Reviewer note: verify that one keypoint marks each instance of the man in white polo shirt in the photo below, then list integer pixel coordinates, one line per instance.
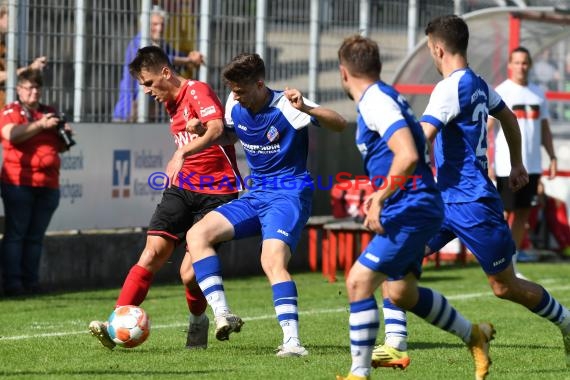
(528, 103)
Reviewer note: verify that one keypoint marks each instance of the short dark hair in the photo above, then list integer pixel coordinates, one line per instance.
(31, 75)
(452, 31)
(361, 56)
(151, 58)
(521, 49)
(244, 68)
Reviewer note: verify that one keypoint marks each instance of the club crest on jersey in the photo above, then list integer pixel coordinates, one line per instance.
(272, 134)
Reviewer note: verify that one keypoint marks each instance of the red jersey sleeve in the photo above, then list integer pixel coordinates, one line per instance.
(204, 101)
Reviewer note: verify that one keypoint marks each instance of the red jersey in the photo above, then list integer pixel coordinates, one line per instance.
(35, 161)
(213, 170)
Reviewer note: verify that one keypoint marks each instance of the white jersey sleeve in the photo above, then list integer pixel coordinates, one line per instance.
(443, 103)
(296, 118)
(230, 103)
(495, 100)
(379, 111)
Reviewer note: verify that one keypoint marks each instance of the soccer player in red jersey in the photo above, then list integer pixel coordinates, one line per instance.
(208, 179)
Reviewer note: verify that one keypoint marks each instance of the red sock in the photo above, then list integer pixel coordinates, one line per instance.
(197, 303)
(136, 286)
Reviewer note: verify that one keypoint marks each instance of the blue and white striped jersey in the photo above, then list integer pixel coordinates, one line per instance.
(275, 142)
(458, 107)
(381, 112)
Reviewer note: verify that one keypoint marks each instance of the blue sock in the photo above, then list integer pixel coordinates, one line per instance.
(395, 326)
(285, 302)
(364, 322)
(209, 276)
(551, 309)
(434, 308)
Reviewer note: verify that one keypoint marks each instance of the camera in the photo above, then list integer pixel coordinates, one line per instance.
(65, 135)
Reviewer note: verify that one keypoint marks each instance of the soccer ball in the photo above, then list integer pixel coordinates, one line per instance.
(129, 326)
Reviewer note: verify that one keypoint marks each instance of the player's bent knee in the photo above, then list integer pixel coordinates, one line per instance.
(152, 260)
(501, 290)
(354, 283)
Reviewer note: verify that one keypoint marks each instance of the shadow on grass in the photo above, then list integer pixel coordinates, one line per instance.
(430, 345)
(434, 345)
(104, 372)
(526, 347)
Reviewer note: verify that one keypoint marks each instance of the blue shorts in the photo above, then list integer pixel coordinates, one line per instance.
(481, 226)
(275, 215)
(398, 251)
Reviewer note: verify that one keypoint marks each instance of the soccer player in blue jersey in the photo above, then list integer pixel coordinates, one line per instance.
(403, 216)
(272, 127)
(456, 117)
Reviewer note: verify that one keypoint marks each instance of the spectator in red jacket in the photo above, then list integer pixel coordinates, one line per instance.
(29, 182)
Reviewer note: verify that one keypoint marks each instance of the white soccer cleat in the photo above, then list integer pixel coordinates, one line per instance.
(99, 330)
(297, 350)
(227, 324)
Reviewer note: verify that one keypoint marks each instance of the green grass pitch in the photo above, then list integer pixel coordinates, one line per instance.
(46, 337)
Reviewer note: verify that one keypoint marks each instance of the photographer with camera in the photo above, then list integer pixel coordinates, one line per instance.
(33, 135)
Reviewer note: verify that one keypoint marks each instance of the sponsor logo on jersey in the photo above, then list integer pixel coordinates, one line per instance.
(272, 134)
(280, 231)
(186, 113)
(207, 111)
(182, 138)
(242, 127)
(261, 149)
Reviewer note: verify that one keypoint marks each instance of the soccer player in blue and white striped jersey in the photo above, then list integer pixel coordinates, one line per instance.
(404, 215)
(272, 127)
(456, 117)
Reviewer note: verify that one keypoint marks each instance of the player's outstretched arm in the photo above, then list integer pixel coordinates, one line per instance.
(327, 117)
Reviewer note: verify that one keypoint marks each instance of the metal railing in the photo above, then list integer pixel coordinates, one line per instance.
(85, 42)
